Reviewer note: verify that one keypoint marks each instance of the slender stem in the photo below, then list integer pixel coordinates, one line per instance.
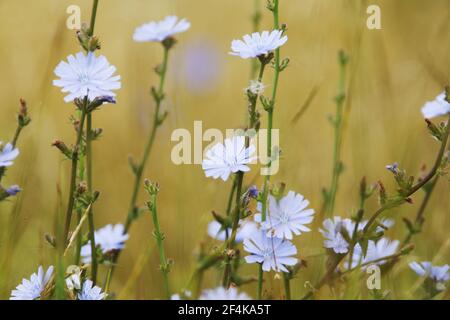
(159, 242)
(337, 146)
(239, 181)
(270, 111)
(287, 286)
(90, 190)
(93, 17)
(420, 213)
(139, 170)
(236, 217)
(260, 282)
(156, 123)
(73, 176)
(16, 135)
(108, 279)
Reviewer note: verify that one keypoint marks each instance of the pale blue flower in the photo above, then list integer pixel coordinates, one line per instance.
(8, 154)
(273, 253)
(287, 216)
(33, 288)
(91, 292)
(86, 76)
(160, 30)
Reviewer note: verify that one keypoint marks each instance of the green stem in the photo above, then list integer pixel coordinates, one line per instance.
(73, 176)
(269, 132)
(16, 135)
(159, 241)
(287, 286)
(93, 17)
(133, 210)
(239, 181)
(141, 167)
(90, 190)
(337, 146)
(420, 213)
(260, 282)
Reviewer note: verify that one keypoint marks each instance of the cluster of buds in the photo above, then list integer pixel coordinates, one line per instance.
(87, 41)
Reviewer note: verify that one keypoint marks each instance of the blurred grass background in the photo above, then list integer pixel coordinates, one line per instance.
(393, 71)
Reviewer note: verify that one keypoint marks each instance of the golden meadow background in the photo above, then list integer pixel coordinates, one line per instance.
(393, 71)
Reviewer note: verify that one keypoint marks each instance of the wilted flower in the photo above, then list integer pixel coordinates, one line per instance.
(244, 230)
(258, 44)
(438, 274)
(91, 292)
(256, 87)
(33, 288)
(7, 154)
(438, 107)
(159, 31)
(286, 216)
(86, 76)
(273, 253)
(232, 156)
(221, 293)
(108, 238)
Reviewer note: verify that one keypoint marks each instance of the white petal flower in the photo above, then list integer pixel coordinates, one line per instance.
(159, 31)
(438, 274)
(286, 216)
(86, 75)
(32, 289)
(91, 292)
(332, 232)
(108, 238)
(258, 44)
(7, 154)
(244, 230)
(232, 156)
(273, 253)
(221, 293)
(437, 107)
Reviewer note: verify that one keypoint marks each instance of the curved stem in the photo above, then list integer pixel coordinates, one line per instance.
(420, 184)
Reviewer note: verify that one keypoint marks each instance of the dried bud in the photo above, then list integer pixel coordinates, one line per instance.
(22, 117)
(82, 188)
(63, 148)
